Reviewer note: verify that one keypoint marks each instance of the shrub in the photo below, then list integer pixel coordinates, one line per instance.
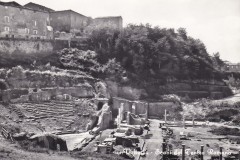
(226, 114)
(226, 131)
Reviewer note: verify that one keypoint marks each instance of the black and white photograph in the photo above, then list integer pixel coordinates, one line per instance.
(120, 79)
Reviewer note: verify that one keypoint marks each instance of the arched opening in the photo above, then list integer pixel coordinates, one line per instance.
(100, 105)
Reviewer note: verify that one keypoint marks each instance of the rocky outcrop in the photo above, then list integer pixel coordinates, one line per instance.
(20, 78)
(47, 94)
(27, 85)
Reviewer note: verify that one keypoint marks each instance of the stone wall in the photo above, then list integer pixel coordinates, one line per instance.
(105, 22)
(141, 108)
(25, 46)
(157, 109)
(19, 78)
(24, 51)
(117, 103)
(135, 107)
(46, 85)
(9, 94)
(128, 92)
(188, 89)
(101, 120)
(47, 94)
(133, 120)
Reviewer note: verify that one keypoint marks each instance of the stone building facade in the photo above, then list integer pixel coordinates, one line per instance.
(17, 21)
(69, 21)
(39, 22)
(233, 67)
(109, 22)
(38, 7)
(104, 22)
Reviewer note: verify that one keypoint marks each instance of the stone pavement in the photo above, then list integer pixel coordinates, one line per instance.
(153, 145)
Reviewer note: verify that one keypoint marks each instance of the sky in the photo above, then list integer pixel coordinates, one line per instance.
(215, 22)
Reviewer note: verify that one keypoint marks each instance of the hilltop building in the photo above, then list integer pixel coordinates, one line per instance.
(68, 23)
(36, 21)
(233, 67)
(17, 21)
(38, 7)
(105, 22)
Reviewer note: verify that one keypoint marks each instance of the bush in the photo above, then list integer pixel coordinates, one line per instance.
(226, 115)
(226, 131)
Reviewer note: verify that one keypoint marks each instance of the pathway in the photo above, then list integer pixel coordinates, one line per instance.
(153, 145)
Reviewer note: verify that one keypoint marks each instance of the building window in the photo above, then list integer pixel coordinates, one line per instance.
(27, 30)
(35, 32)
(35, 23)
(7, 29)
(7, 19)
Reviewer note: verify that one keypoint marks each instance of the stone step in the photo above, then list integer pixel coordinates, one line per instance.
(17, 111)
(66, 124)
(65, 116)
(55, 111)
(53, 116)
(49, 104)
(50, 108)
(64, 119)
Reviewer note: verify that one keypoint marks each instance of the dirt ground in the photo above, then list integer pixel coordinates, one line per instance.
(201, 136)
(153, 144)
(10, 151)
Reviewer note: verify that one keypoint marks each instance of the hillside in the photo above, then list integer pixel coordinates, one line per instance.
(150, 60)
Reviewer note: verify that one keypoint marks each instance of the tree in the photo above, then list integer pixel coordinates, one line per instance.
(218, 63)
(153, 54)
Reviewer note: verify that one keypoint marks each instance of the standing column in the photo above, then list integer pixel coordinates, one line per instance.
(183, 151)
(239, 154)
(165, 116)
(164, 149)
(69, 43)
(119, 117)
(193, 121)
(202, 152)
(220, 157)
(121, 112)
(146, 109)
(183, 121)
(128, 118)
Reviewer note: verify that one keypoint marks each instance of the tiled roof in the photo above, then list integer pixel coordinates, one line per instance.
(38, 7)
(11, 3)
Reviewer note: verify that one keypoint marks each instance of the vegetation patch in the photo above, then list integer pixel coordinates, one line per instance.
(226, 131)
